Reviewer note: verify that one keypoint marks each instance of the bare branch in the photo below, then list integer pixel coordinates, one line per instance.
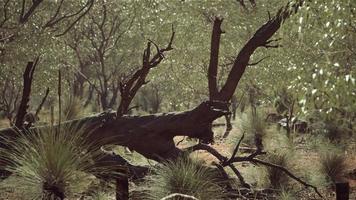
(239, 176)
(255, 160)
(42, 102)
(251, 158)
(26, 15)
(53, 20)
(89, 5)
(259, 39)
(8, 38)
(27, 83)
(242, 3)
(176, 195)
(129, 88)
(214, 58)
(5, 13)
(207, 148)
(236, 149)
(258, 62)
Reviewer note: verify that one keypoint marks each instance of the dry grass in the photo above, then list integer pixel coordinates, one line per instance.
(276, 178)
(333, 165)
(4, 123)
(184, 176)
(60, 159)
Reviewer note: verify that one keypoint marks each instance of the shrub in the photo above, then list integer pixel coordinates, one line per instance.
(286, 195)
(277, 179)
(51, 162)
(332, 126)
(71, 109)
(333, 165)
(254, 126)
(184, 176)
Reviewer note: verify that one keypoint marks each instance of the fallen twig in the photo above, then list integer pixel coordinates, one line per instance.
(179, 195)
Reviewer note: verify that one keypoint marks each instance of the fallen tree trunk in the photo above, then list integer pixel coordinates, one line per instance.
(150, 135)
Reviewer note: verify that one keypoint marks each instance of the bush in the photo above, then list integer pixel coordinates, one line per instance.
(332, 126)
(254, 127)
(49, 163)
(277, 179)
(71, 109)
(184, 176)
(333, 166)
(286, 195)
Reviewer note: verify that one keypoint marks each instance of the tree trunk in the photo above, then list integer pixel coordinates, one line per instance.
(150, 135)
(228, 125)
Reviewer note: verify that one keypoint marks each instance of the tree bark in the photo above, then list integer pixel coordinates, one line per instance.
(150, 135)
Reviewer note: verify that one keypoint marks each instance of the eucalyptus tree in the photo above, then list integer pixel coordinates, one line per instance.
(317, 62)
(29, 29)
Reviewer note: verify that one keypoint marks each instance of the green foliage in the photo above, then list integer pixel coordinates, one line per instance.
(51, 158)
(184, 176)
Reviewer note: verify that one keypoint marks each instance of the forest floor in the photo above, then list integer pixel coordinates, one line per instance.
(304, 162)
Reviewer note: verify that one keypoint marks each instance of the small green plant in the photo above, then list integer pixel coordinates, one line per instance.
(51, 163)
(333, 165)
(184, 176)
(277, 179)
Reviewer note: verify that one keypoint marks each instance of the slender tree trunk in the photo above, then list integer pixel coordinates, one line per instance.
(103, 100)
(228, 125)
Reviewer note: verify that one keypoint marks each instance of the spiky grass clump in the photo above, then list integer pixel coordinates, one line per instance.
(184, 176)
(51, 162)
(286, 195)
(276, 178)
(333, 165)
(254, 126)
(72, 109)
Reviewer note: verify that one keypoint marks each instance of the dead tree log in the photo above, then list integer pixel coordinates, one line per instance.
(150, 135)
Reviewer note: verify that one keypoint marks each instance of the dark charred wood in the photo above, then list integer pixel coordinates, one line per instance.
(151, 135)
(26, 92)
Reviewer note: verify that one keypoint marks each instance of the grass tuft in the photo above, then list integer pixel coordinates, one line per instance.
(51, 162)
(277, 179)
(286, 195)
(72, 109)
(184, 176)
(254, 125)
(333, 166)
